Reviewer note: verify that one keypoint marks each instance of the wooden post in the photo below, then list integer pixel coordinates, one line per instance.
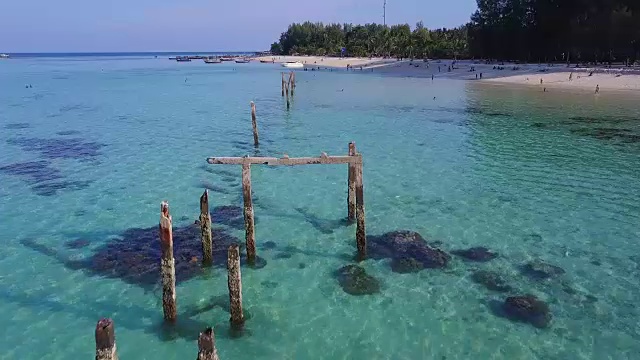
(205, 229)
(291, 82)
(248, 214)
(286, 90)
(361, 239)
(234, 281)
(207, 345)
(282, 83)
(351, 186)
(294, 78)
(254, 123)
(167, 264)
(105, 340)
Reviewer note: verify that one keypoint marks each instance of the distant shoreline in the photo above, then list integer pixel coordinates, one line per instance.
(553, 77)
(18, 55)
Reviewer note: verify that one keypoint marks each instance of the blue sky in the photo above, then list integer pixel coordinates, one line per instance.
(194, 25)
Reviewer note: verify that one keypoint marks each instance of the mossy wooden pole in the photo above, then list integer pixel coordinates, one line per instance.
(205, 229)
(286, 90)
(167, 264)
(207, 345)
(351, 186)
(282, 83)
(292, 82)
(254, 124)
(249, 229)
(234, 280)
(105, 340)
(361, 240)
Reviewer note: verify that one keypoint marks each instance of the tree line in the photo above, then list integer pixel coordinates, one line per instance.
(556, 30)
(371, 40)
(528, 30)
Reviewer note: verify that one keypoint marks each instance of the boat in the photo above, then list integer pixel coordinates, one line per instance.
(4, 56)
(226, 58)
(212, 60)
(293, 65)
(182, 58)
(267, 61)
(243, 61)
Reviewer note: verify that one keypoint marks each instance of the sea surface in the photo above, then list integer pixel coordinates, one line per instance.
(90, 146)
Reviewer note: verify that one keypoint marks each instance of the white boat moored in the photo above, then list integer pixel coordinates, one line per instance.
(4, 56)
(293, 65)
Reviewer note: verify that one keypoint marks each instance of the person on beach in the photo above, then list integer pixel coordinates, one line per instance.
(597, 88)
(431, 77)
(540, 81)
(481, 76)
(571, 76)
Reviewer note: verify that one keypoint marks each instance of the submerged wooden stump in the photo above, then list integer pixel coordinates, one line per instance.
(205, 229)
(351, 186)
(282, 83)
(292, 82)
(105, 340)
(254, 124)
(249, 224)
(286, 90)
(207, 345)
(234, 281)
(167, 264)
(361, 240)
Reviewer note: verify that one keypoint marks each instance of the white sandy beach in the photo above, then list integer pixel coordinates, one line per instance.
(553, 77)
(323, 61)
(581, 81)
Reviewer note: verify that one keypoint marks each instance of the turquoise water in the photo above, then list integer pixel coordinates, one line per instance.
(93, 147)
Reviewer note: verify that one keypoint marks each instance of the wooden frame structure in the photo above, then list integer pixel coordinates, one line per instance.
(355, 197)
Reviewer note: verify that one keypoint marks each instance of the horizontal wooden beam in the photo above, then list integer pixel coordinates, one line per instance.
(323, 159)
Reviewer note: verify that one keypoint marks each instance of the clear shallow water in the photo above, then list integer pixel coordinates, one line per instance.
(527, 174)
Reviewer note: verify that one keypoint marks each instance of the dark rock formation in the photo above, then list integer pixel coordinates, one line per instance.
(60, 148)
(480, 254)
(354, 280)
(229, 215)
(17, 126)
(269, 245)
(408, 251)
(406, 265)
(527, 308)
(540, 270)
(68, 132)
(490, 280)
(134, 257)
(77, 244)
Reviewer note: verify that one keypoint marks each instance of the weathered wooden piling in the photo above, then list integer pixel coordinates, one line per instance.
(293, 74)
(234, 280)
(249, 228)
(207, 345)
(361, 240)
(205, 229)
(286, 90)
(292, 82)
(105, 340)
(351, 185)
(167, 264)
(254, 124)
(282, 83)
